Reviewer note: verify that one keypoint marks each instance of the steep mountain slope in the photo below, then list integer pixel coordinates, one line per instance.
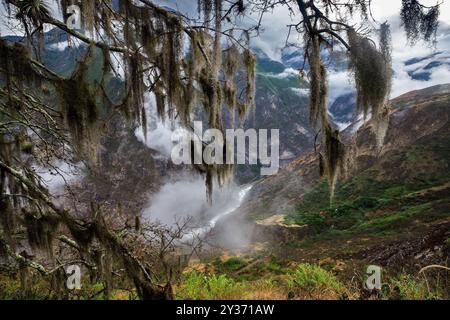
(392, 209)
(415, 153)
(282, 102)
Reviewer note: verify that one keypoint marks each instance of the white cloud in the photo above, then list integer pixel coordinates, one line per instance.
(186, 198)
(287, 73)
(403, 83)
(402, 52)
(340, 83)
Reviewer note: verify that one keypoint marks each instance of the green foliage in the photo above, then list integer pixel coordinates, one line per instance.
(11, 289)
(315, 212)
(393, 219)
(276, 266)
(407, 287)
(313, 219)
(231, 265)
(316, 199)
(390, 194)
(234, 262)
(314, 277)
(207, 287)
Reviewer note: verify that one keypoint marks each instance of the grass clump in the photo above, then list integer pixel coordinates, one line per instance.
(314, 277)
(198, 286)
(407, 287)
(234, 263)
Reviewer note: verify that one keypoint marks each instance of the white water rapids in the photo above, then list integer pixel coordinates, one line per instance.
(226, 210)
(183, 195)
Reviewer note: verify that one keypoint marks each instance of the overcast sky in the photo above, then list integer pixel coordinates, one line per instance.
(275, 23)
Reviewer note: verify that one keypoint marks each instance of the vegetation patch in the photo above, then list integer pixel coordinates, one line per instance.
(313, 276)
(198, 286)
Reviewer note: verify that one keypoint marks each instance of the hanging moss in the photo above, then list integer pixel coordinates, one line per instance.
(381, 124)
(205, 7)
(82, 234)
(40, 230)
(7, 219)
(333, 159)
(420, 22)
(170, 59)
(106, 17)
(81, 101)
(58, 284)
(134, 86)
(209, 186)
(89, 14)
(250, 66)
(15, 64)
(231, 64)
(371, 72)
(318, 85)
(381, 120)
(160, 104)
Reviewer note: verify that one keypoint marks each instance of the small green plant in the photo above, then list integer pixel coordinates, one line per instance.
(197, 286)
(406, 287)
(222, 287)
(234, 263)
(314, 277)
(274, 265)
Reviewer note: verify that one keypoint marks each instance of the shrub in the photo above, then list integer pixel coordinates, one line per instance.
(234, 263)
(366, 203)
(314, 277)
(274, 265)
(197, 286)
(192, 286)
(315, 220)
